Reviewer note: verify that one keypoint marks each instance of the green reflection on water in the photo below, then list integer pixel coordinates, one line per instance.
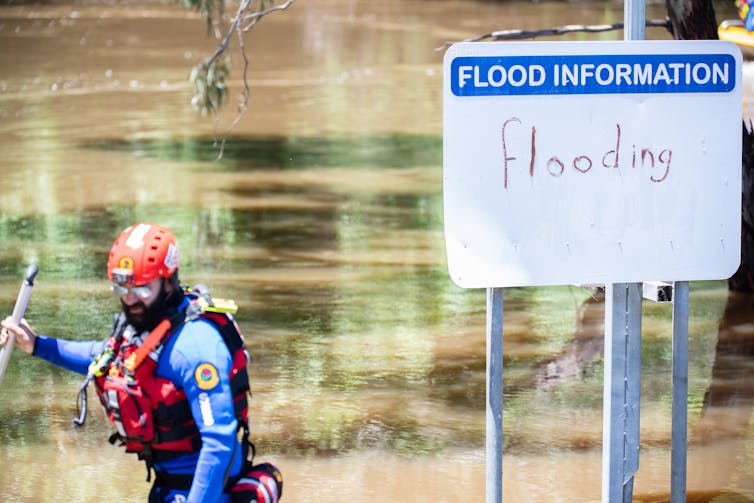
(291, 152)
(68, 246)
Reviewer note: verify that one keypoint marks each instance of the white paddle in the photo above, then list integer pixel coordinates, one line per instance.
(18, 313)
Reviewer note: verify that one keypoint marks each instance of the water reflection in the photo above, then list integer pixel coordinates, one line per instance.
(290, 152)
(323, 221)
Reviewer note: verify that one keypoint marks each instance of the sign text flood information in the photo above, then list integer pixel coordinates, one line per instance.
(592, 162)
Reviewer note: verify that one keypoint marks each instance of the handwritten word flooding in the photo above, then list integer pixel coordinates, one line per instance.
(644, 159)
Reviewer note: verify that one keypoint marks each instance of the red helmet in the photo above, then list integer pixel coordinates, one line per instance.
(141, 253)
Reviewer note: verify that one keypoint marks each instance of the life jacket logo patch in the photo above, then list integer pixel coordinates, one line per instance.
(206, 376)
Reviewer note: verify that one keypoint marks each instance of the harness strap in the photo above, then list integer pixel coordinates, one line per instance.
(182, 482)
(178, 432)
(173, 480)
(152, 340)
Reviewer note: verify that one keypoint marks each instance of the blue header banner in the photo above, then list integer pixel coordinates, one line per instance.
(592, 74)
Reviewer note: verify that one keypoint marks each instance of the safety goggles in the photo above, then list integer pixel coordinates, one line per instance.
(143, 292)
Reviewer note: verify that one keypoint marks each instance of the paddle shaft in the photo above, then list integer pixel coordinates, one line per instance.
(18, 313)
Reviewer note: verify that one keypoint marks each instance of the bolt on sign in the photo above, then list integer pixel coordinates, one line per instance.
(591, 162)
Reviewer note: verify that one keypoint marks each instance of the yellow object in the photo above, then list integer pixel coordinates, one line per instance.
(217, 305)
(733, 30)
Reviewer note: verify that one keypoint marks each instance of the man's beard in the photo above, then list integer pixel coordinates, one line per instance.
(148, 317)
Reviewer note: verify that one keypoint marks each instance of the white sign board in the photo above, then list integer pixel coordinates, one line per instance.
(592, 162)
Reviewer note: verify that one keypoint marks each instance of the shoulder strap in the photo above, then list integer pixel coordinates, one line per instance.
(153, 340)
(203, 303)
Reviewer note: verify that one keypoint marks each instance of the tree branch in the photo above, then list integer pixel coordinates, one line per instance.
(254, 17)
(240, 24)
(244, 100)
(558, 30)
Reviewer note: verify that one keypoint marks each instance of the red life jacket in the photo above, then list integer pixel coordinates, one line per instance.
(153, 417)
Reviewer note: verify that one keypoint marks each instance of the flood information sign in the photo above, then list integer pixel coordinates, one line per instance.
(591, 162)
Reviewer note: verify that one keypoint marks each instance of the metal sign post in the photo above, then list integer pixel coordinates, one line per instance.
(494, 435)
(622, 378)
(622, 391)
(680, 392)
(634, 20)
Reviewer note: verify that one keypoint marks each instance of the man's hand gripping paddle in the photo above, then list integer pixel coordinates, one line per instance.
(18, 313)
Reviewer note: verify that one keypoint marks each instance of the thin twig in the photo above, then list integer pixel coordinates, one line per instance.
(237, 26)
(558, 30)
(244, 100)
(234, 23)
(256, 16)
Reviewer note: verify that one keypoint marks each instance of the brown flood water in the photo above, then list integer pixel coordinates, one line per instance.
(324, 222)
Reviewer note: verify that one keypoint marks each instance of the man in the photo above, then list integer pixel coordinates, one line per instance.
(171, 376)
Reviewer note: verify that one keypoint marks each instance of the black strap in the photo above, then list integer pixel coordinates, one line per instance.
(182, 482)
(173, 481)
(248, 452)
(81, 402)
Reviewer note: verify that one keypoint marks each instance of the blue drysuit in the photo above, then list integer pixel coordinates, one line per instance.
(196, 343)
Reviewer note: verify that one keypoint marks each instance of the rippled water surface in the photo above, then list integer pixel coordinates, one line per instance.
(323, 220)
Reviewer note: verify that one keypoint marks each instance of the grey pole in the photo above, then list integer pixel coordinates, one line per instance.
(634, 20)
(678, 442)
(622, 380)
(494, 434)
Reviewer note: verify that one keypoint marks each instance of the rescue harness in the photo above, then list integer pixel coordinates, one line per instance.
(152, 417)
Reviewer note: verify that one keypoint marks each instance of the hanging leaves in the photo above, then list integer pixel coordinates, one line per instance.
(210, 75)
(210, 86)
(212, 12)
